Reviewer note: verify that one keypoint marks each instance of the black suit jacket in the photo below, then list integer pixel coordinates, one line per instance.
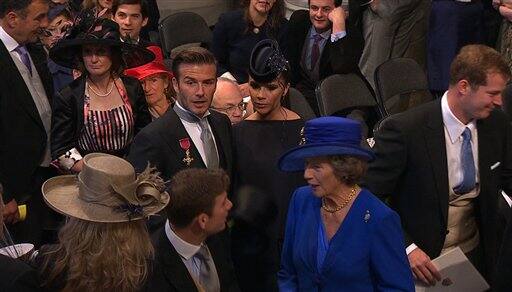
(411, 168)
(68, 115)
(169, 273)
(23, 137)
(159, 144)
(340, 57)
(17, 276)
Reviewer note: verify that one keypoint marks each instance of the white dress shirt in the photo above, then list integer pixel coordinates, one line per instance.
(185, 250)
(453, 129)
(194, 131)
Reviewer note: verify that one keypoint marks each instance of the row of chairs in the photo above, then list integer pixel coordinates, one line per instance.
(400, 83)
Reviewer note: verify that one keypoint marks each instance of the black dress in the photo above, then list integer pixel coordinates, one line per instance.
(257, 240)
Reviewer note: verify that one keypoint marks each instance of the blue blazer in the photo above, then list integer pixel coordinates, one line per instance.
(367, 253)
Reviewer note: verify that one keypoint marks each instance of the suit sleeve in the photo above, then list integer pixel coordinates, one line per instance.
(143, 151)
(346, 52)
(63, 137)
(388, 261)
(287, 275)
(220, 45)
(385, 172)
(506, 173)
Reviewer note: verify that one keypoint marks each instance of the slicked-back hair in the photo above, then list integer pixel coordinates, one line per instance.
(193, 192)
(474, 62)
(192, 56)
(144, 10)
(19, 6)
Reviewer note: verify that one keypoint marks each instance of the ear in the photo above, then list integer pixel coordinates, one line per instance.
(286, 89)
(11, 19)
(202, 220)
(463, 87)
(144, 21)
(175, 84)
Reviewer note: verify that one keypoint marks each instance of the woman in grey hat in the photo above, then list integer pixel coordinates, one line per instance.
(104, 245)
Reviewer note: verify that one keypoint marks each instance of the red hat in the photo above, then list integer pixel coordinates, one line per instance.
(154, 67)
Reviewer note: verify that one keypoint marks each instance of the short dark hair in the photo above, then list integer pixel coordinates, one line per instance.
(474, 62)
(144, 10)
(193, 191)
(337, 3)
(348, 169)
(19, 6)
(194, 56)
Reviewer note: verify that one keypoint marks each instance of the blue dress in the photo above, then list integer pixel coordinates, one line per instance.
(233, 43)
(367, 253)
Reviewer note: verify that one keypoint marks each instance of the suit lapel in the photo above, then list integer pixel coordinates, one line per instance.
(173, 140)
(436, 148)
(20, 90)
(174, 269)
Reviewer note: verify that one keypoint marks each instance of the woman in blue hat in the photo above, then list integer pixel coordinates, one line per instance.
(339, 237)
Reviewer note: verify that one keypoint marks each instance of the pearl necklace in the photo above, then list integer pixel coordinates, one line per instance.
(350, 196)
(101, 94)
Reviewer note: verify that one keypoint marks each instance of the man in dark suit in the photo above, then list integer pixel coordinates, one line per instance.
(323, 42)
(132, 17)
(190, 254)
(25, 115)
(188, 135)
(443, 164)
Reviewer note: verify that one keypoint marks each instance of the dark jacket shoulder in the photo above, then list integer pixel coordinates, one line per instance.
(16, 275)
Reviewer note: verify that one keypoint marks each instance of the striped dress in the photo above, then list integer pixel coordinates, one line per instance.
(107, 131)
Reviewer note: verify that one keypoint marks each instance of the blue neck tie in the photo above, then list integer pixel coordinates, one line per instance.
(468, 165)
(22, 51)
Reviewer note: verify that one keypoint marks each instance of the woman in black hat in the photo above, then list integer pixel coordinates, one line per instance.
(264, 191)
(102, 110)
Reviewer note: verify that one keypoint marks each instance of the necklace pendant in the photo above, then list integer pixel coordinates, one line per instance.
(256, 30)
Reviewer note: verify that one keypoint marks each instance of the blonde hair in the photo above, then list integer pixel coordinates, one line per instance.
(99, 256)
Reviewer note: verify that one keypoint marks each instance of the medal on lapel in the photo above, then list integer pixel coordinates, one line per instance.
(185, 145)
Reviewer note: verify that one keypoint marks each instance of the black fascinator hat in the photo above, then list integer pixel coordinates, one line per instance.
(89, 30)
(267, 62)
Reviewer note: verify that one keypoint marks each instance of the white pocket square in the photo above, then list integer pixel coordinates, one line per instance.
(495, 165)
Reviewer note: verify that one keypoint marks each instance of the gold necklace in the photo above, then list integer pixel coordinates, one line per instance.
(350, 196)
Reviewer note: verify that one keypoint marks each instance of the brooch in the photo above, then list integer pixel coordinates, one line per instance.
(302, 140)
(367, 216)
(185, 145)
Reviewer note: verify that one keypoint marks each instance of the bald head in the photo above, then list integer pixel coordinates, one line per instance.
(227, 98)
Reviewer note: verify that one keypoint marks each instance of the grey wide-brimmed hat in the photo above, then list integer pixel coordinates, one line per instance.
(106, 190)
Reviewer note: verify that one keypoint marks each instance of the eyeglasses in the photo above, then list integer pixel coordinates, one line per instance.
(230, 109)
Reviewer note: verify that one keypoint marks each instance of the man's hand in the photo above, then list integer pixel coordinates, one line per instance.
(11, 213)
(78, 166)
(423, 268)
(337, 17)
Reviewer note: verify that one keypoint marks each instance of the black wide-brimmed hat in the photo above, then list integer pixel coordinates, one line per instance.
(97, 31)
(267, 62)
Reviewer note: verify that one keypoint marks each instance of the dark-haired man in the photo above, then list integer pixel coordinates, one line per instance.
(189, 134)
(444, 163)
(190, 256)
(132, 16)
(25, 115)
(323, 41)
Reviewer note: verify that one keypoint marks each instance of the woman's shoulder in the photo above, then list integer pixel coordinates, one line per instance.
(375, 206)
(230, 16)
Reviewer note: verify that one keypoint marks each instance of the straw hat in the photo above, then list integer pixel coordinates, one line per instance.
(106, 190)
(326, 136)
